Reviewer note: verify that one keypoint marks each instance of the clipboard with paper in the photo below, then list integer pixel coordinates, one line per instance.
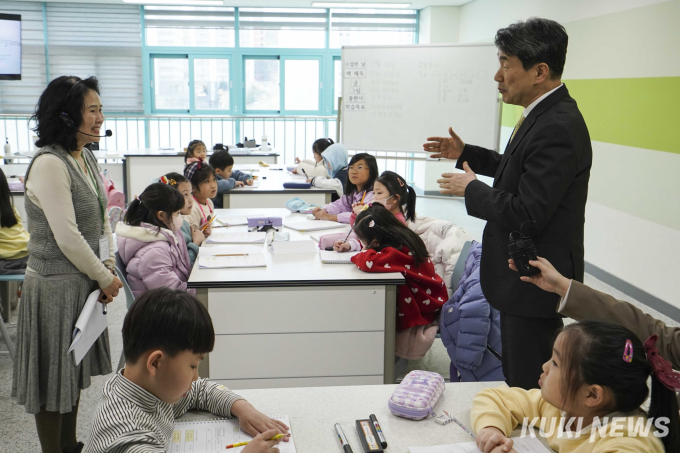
(90, 325)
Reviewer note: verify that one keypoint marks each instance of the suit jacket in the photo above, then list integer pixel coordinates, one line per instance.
(542, 178)
(584, 303)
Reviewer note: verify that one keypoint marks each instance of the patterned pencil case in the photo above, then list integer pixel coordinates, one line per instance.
(417, 395)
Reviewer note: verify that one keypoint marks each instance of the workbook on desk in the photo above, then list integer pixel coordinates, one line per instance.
(520, 445)
(333, 257)
(229, 237)
(232, 261)
(214, 435)
(235, 220)
(310, 225)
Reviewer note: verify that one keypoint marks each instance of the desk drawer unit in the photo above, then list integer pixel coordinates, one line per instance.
(298, 336)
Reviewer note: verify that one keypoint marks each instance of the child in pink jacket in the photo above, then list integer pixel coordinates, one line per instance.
(150, 242)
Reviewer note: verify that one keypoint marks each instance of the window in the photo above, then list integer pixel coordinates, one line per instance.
(302, 84)
(363, 27)
(262, 84)
(282, 27)
(171, 83)
(337, 82)
(211, 84)
(183, 26)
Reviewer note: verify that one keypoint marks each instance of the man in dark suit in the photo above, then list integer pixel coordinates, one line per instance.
(540, 189)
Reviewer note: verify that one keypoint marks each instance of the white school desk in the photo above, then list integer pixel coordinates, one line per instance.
(269, 191)
(298, 322)
(313, 412)
(142, 165)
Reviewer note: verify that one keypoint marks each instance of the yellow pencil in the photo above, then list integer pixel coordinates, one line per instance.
(241, 444)
(362, 198)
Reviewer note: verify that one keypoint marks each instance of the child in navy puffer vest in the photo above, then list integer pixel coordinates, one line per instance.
(471, 328)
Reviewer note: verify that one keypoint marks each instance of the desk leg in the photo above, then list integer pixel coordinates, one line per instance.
(328, 198)
(390, 331)
(204, 366)
(225, 201)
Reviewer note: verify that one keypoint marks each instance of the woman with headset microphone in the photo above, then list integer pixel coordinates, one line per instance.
(70, 256)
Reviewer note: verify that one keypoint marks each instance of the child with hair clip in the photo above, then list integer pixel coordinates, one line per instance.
(590, 396)
(312, 168)
(390, 246)
(193, 237)
(357, 186)
(203, 187)
(150, 242)
(13, 236)
(391, 191)
(195, 151)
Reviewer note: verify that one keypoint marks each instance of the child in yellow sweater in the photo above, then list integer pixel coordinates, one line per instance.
(590, 397)
(13, 236)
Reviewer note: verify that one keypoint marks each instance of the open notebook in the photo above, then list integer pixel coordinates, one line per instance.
(214, 435)
(332, 257)
(229, 237)
(311, 225)
(520, 445)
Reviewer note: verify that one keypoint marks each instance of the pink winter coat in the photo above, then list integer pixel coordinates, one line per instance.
(153, 259)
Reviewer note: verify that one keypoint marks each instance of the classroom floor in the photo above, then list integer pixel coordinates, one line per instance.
(17, 429)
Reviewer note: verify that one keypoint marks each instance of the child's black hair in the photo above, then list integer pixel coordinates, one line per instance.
(157, 197)
(177, 178)
(190, 149)
(171, 320)
(350, 188)
(221, 159)
(396, 185)
(320, 145)
(593, 355)
(7, 217)
(377, 224)
(201, 175)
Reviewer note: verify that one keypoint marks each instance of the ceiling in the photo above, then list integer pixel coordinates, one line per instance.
(415, 4)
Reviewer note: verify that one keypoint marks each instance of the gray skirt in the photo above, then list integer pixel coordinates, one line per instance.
(44, 375)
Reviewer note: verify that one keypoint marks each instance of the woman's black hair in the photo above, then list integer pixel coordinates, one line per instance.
(7, 217)
(593, 354)
(179, 179)
(320, 145)
(396, 185)
(180, 323)
(350, 188)
(190, 149)
(201, 175)
(59, 111)
(377, 224)
(157, 197)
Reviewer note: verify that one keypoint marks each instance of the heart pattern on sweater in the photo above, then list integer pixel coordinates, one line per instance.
(401, 314)
(410, 253)
(426, 302)
(415, 290)
(440, 299)
(408, 300)
(387, 265)
(429, 291)
(407, 266)
(369, 264)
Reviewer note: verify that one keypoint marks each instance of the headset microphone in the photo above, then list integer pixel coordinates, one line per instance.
(69, 122)
(108, 133)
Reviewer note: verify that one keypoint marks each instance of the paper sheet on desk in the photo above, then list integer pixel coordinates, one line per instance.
(229, 249)
(311, 225)
(224, 262)
(236, 220)
(90, 325)
(228, 237)
(520, 445)
(214, 436)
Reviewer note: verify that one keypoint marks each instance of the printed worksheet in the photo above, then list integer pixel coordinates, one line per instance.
(520, 445)
(212, 436)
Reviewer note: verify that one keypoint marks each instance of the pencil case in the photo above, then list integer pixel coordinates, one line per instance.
(297, 185)
(417, 395)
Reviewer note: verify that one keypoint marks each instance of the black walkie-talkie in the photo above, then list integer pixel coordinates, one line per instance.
(522, 250)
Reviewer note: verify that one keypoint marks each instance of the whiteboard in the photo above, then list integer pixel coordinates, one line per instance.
(394, 97)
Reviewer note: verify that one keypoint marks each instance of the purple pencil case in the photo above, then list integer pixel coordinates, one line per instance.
(417, 394)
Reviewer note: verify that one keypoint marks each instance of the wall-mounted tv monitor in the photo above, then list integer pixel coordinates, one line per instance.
(10, 47)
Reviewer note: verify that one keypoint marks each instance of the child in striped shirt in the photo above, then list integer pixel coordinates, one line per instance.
(160, 380)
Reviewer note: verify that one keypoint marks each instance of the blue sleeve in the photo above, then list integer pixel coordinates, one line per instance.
(474, 324)
(240, 176)
(224, 185)
(191, 247)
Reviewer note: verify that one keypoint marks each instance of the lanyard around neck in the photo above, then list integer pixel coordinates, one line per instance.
(201, 208)
(94, 184)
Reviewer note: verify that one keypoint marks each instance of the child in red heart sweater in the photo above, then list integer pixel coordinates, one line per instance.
(390, 246)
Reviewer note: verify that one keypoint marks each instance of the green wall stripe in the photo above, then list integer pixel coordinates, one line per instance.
(637, 112)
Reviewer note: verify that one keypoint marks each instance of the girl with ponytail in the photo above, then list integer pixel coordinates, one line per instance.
(598, 376)
(151, 243)
(391, 191)
(390, 246)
